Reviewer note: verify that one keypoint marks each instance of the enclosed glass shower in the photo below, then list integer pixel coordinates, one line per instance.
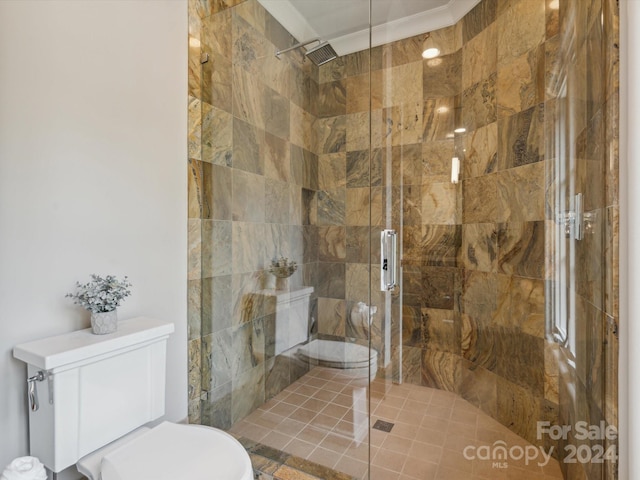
(396, 258)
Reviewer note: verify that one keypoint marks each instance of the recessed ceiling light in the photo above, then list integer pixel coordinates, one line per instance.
(430, 48)
(460, 130)
(432, 52)
(442, 109)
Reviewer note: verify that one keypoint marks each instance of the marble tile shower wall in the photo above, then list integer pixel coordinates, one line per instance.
(474, 271)
(473, 253)
(502, 294)
(474, 265)
(253, 177)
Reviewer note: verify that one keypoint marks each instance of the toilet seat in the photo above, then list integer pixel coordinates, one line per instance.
(355, 360)
(336, 354)
(171, 451)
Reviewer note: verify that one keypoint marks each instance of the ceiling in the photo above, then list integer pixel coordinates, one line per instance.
(345, 22)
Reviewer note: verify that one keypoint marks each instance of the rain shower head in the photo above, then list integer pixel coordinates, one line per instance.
(320, 54)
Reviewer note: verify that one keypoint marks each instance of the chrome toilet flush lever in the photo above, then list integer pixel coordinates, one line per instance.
(33, 392)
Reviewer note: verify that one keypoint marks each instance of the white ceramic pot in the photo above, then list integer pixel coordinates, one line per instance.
(104, 322)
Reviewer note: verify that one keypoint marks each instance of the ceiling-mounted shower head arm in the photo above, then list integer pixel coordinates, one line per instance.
(297, 45)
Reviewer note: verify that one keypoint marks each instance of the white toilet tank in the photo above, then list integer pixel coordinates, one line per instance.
(96, 388)
(292, 316)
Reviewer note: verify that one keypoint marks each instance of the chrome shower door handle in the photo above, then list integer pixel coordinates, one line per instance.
(388, 252)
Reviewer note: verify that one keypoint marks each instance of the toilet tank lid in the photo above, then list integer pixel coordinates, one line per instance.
(82, 345)
(288, 295)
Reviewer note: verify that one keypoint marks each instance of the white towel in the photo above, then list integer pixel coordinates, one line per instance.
(24, 468)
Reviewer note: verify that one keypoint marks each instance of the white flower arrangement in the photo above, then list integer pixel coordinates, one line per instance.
(101, 294)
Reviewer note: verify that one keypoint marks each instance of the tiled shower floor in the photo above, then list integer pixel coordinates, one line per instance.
(322, 418)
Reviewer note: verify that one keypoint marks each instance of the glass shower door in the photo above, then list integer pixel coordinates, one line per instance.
(280, 233)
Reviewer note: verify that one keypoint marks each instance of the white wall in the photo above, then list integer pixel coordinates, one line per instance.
(93, 155)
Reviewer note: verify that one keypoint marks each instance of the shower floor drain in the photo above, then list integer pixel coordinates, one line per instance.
(382, 425)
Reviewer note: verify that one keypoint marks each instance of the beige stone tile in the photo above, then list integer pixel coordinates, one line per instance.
(440, 203)
(403, 123)
(479, 57)
(454, 460)
(336, 443)
(402, 84)
(293, 398)
(520, 82)
(439, 412)
(300, 448)
(314, 404)
(393, 461)
(406, 430)
(343, 399)
(411, 412)
(282, 409)
(254, 432)
(358, 93)
(194, 257)
(481, 146)
(336, 411)
(324, 421)
(302, 415)
(525, 187)
(194, 128)
(357, 206)
(357, 131)
(326, 395)
(351, 466)
(387, 413)
(396, 443)
(457, 441)
(380, 473)
(516, 37)
(419, 468)
(307, 390)
(301, 126)
(276, 439)
(442, 76)
(324, 457)
(265, 419)
(480, 246)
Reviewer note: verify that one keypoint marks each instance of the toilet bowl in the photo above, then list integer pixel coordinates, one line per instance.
(170, 451)
(93, 397)
(356, 360)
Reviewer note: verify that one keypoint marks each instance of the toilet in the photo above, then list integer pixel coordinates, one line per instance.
(93, 400)
(353, 359)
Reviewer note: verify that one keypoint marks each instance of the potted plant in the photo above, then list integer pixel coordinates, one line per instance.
(282, 268)
(102, 296)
